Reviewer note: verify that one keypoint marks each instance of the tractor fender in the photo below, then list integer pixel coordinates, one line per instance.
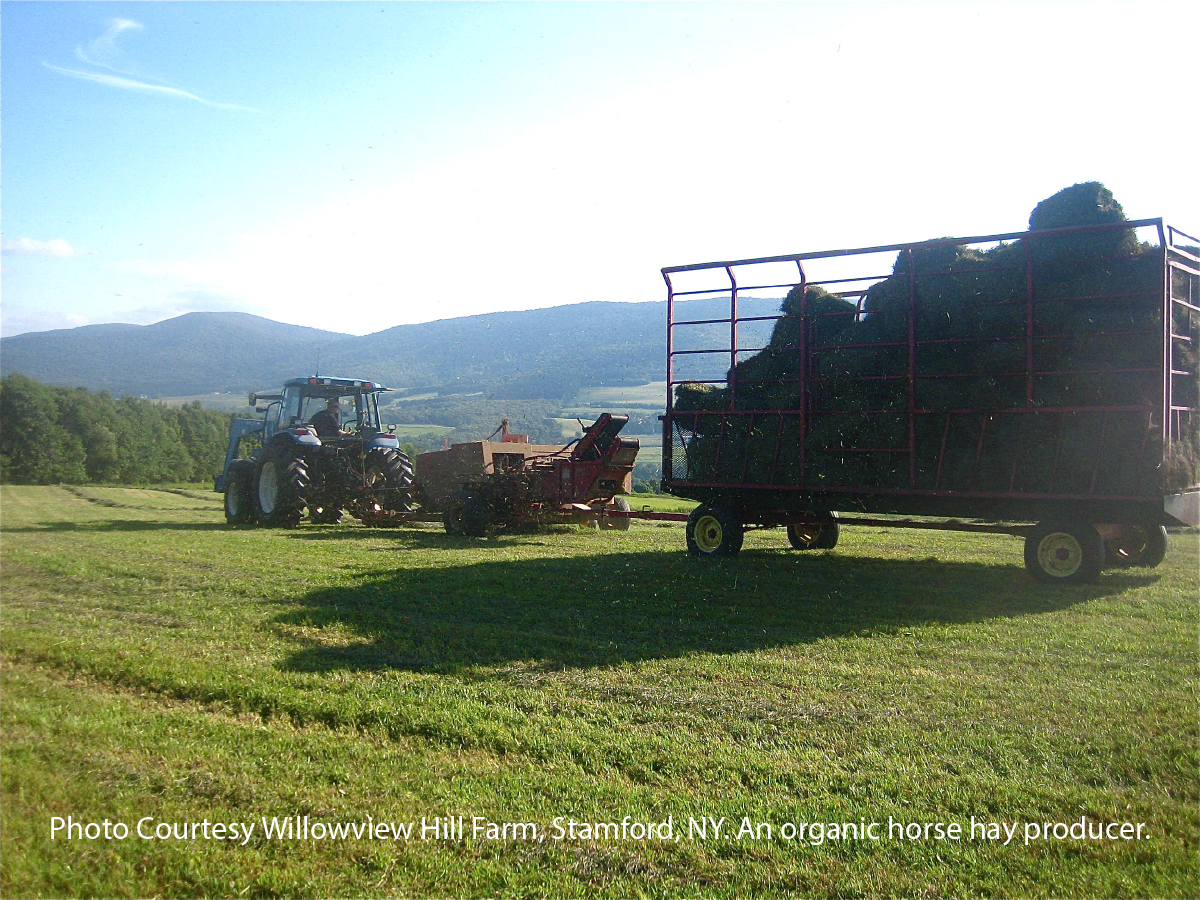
(306, 438)
(382, 442)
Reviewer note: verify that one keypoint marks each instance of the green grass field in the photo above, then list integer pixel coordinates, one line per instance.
(163, 668)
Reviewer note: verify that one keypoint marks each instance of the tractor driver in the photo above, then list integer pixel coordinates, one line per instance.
(328, 420)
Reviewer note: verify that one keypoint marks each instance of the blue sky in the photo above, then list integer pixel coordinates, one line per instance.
(355, 165)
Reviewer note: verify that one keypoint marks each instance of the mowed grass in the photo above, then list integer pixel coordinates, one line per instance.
(161, 665)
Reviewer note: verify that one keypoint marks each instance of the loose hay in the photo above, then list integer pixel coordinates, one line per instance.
(1096, 302)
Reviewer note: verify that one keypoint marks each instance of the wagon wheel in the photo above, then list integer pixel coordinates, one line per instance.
(814, 535)
(1136, 545)
(714, 531)
(1064, 552)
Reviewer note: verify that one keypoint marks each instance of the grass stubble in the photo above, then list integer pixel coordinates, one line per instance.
(159, 665)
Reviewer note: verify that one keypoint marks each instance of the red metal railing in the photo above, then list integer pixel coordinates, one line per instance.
(729, 435)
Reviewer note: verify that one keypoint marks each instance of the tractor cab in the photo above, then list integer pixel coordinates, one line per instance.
(324, 409)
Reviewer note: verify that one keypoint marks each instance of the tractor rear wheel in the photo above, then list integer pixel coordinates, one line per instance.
(239, 493)
(389, 478)
(714, 531)
(1064, 552)
(281, 481)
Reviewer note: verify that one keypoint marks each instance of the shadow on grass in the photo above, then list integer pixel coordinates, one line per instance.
(624, 607)
(119, 525)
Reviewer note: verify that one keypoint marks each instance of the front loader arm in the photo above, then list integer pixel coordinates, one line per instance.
(238, 429)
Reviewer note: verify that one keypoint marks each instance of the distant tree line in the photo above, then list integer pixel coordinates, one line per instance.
(53, 434)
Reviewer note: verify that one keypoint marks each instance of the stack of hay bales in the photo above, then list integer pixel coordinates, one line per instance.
(968, 310)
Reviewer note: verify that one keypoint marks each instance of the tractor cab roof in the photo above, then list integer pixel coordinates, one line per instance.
(323, 386)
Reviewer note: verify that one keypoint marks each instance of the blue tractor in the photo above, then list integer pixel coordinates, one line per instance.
(323, 451)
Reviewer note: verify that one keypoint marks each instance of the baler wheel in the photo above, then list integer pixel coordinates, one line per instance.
(325, 515)
(613, 523)
(474, 517)
(621, 523)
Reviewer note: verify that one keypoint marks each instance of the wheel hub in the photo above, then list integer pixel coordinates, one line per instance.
(266, 488)
(1060, 554)
(709, 534)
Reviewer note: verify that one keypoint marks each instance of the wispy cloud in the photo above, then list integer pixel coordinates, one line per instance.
(103, 53)
(143, 87)
(29, 247)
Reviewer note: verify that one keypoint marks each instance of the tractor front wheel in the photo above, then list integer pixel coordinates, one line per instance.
(281, 480)
(714, 531)
(1064, 552)
(239, 493)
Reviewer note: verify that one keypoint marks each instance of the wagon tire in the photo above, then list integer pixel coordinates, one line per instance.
(1064, 552)
(1137, 545)
(714, 530)
(239, 493)
(814, 535)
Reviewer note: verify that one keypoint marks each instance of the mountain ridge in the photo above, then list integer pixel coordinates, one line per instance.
(513, 354)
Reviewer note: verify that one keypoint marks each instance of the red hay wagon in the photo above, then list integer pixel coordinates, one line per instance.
(1011, 379)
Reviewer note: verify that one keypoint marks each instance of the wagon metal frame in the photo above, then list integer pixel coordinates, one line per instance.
(748, 499)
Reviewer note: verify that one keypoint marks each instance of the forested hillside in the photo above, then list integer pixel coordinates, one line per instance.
(194, 353)
(533, 354)
(72, 435)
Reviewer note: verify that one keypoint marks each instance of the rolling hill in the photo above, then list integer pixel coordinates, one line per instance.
(200, 352)
(534, 354)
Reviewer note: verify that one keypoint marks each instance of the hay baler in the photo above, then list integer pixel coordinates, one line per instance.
(506, 484)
